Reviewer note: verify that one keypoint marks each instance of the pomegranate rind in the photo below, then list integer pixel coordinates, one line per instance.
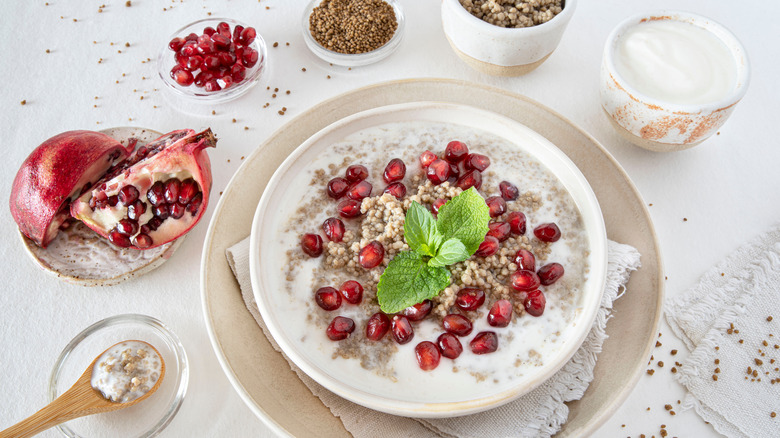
(183, 156)
(55, 172)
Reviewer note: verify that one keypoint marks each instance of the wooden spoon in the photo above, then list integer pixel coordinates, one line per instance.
(78, 401)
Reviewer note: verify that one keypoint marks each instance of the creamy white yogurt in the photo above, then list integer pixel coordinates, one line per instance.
(126, 371)
(676, 62)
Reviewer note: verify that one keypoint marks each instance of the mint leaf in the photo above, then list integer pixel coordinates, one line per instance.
(465, 217)
(450, 252)
(420, 231)
(408, 280)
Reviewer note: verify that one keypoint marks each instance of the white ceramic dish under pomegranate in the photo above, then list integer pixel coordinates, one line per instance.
(399, 386)
(670, 80)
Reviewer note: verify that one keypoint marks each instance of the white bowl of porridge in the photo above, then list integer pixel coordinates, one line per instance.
(428, 259)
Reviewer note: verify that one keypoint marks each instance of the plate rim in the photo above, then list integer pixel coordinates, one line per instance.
(617, 398)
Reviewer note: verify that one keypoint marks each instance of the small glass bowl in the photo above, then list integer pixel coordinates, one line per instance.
(166, 61)
(145, 419)
(357, 59)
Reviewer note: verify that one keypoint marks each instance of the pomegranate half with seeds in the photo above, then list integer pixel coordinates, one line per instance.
(164, 190)
(54, 174)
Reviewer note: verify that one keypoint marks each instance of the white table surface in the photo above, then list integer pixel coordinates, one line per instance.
(727, 188)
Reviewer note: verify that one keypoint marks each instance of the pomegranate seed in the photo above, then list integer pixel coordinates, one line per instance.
(401, 329)
(194, 204)
(477, 161)
(497, 205)
(212, 85)
(154, 223)
(488, 247)
(237, 32)
(456, 151)
(209, 31)
(438, 171)
(191, 37)
(127, 227)
(119, 239)
(378, 325)
(224, 29)
(516, 220)
(312, 244)
(454, 173)
(484, 342)
(205, 47)
(334, 229)
(419, 311)
(472, 178)
(340, 328)
(188, 189)
(508, 190)
(337, 187)
(226, 59)
(449, 345)
(426, 158)
(136, 209)
(128, 194)
(250, 57)
(470, 298)
(193, 63)
(189, 48)
(171, 193)
(182, 77)
(360, 190)
(143, 241)
(176, 210)
(428, 355)
(500, 314)
(371, 255)
(499, 230)
(397, 189)
(247, 36)
(161, 210)
(156, 193)
(524, 280)
(221, 42)
(547, 232)
(349, 208)
(356, 172)
(238, 72)
(437, 205)
(352, 291)
(395, 170)
(535, 302)
(524, 259)
(176, 44)
(328, 298)
(457, 324)
(550, 273)
(112, 201)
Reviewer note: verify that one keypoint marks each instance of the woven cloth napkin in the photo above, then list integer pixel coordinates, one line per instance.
(537, 414)
(731, 323)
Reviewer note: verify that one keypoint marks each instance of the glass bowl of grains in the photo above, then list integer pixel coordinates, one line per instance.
(352, 33)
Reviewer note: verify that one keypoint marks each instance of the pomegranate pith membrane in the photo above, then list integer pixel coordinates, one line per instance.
(524, 343)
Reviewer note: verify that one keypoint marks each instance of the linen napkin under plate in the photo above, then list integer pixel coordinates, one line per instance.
(731, 323)
(539, 413)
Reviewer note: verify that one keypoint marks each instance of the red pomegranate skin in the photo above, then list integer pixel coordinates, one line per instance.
(182, 150)
(54, 174)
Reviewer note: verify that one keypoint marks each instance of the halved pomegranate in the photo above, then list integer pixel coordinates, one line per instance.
(172, 176)
(54, 174)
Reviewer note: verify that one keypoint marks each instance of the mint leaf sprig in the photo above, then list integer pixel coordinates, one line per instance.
(421, 273)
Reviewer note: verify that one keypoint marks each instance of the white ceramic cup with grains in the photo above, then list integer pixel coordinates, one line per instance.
(669, 80)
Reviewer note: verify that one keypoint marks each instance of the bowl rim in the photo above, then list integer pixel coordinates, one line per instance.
(559, 20)
(172, 341)
(354, 59)
(598, 249)
(219, 96)
(736, 48)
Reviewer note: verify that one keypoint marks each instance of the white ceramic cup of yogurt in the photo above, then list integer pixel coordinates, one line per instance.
(669, 80)
(498, 50)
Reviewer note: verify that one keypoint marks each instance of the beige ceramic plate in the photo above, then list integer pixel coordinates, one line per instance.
(80, 256)
(275, 393)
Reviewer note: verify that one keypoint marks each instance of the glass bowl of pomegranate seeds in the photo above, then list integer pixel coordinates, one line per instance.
(373, 31)
(428, 259)
(212, 60)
